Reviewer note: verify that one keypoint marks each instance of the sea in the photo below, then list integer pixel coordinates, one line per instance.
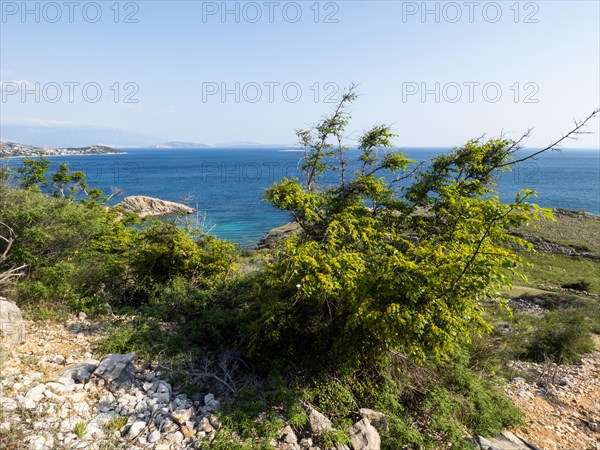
(226, 185)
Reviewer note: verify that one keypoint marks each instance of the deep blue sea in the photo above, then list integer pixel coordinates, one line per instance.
(227, 183)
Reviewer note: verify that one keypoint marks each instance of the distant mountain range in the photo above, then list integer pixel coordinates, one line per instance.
(52, 134)
(67, 135)
(12, 149)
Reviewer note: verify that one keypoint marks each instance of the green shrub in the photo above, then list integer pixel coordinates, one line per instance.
(333, 398)
(333, 438)
(116, 423)
(55, 283)
(164, 252)
(80, 257)
(351, 289)
(561, 336)
(172, 263)
(92, 306)
(364, 316)
(146, 338)
(216, 328)
(442, 407)
(228, 440)
(249, 416)
(72, 251)
(581, 285)
(484, 409)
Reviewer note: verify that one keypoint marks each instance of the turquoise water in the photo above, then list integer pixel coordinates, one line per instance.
(227, 183)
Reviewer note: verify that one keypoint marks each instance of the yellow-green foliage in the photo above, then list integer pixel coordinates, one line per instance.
(164, 252)
(353, 288)
(80, 430)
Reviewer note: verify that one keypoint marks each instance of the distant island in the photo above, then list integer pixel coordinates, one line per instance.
(10, 149)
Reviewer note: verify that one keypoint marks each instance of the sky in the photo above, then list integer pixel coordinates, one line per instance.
(144, 72)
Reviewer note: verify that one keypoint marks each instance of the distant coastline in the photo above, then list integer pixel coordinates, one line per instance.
(10, 149)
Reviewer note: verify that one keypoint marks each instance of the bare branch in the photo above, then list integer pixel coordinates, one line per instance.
(9, 241)
(573, 134)
(9, 275)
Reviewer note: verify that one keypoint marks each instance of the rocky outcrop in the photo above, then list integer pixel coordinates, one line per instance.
(116, 369)
(364, 436)
(505, 441)
(544, 245)
(277, 235)
(576, 214)
(12, 327)
(377, 419)
(151, 207)
(317, 422)
(80, 373)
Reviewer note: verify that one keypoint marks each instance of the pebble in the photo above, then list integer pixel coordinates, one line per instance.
(176, 437)
(135, 429)
(153, 437)
(25, 402)
(37, 393)
(564, 382)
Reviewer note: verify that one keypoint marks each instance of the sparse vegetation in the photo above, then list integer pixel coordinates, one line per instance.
(555, 270)
(80, 430)
(560, 336)
(570, 229)
(10, 438)
(116, 423)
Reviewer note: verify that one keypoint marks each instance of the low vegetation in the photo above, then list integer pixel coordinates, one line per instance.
(554, 270)
(388, 298)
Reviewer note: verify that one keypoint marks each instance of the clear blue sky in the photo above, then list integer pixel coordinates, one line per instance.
(179, 52)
